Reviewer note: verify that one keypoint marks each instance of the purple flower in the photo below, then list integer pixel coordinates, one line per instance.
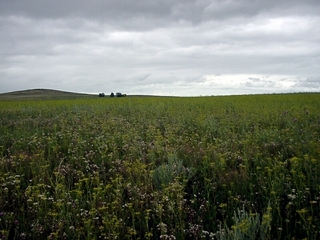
(16, 221)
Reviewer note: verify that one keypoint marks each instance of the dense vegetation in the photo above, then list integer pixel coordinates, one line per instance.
(233, 167)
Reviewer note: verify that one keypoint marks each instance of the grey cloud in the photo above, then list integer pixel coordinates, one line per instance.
(256, 82)
(160, 46)
(312, 83)
(245, 9)
(122, 12)
(130, 14)
(254, 79)
(315, 79)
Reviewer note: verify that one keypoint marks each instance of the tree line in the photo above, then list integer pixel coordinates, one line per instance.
(117, 94)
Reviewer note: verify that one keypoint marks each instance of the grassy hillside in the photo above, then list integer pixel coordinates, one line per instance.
(41, 94)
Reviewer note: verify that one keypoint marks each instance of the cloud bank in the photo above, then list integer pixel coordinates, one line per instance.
(184, 48)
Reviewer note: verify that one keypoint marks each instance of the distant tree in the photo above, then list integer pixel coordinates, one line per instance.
(112, 94)
(119, 94)
(101, 95)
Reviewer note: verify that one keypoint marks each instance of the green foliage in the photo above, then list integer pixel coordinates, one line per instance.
(166, 173)
(233, 167)
(247, 226)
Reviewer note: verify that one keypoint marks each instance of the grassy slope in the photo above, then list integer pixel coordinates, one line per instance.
(41, 94)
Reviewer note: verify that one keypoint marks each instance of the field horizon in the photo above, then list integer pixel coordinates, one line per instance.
(54, 94)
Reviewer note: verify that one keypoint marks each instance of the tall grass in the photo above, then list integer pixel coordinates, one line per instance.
(234, 167)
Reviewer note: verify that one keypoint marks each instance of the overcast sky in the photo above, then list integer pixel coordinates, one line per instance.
(161, 47)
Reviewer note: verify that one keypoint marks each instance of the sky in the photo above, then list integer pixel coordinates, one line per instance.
(161, 47)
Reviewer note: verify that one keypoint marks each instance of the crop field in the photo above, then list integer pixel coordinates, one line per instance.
(227, 167)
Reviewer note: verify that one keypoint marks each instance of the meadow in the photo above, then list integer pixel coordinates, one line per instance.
(227, 167)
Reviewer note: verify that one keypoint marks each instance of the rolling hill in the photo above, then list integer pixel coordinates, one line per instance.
(41, 94)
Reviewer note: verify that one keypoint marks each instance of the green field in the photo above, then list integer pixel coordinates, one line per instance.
(228, 167)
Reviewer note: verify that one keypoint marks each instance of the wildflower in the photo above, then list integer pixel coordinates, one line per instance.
(16, 222)
(162, 227)
(22, 236)
(72, 228)
(302, 211)
(291, 196)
